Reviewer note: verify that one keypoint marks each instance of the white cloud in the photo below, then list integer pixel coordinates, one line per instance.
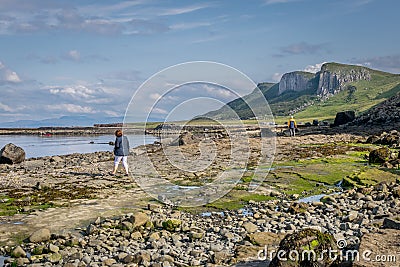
(5, 107)
(158, 111)
(183, 10)
(219, 92)
(314, 68)
(155, 96)
(271, 2)
(7, 75)
(12, 76)
(71, 108)
(73, 55)
(75, 91)
(276, 77)
(187, 26)
(390, 63)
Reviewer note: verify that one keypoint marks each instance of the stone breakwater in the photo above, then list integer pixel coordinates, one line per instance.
(165, 236)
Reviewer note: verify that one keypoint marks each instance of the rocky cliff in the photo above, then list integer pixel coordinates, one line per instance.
(296, 81)
(333, 79)
(330, 80)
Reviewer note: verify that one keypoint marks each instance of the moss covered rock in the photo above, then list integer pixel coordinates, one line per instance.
(379, 155)
(308, 247)
(171, 224)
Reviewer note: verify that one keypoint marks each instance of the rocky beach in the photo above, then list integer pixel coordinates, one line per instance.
(68, 211)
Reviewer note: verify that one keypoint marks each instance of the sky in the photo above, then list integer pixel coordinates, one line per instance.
(81, 57)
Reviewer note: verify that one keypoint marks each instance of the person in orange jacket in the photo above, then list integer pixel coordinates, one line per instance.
(292, 126)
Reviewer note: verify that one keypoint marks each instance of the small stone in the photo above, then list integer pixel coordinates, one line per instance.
(22, 261)
(154, 237)
(125, 225)
(18, 252)
(91, 229)
(109, 262)
(54, 258)
(128, 259)
(221, 257)
(76, 256)
(136, 236)
(53, 248)
(250, 227)
(86, 259)
(121, 256)
(352, 216)
(196, 233)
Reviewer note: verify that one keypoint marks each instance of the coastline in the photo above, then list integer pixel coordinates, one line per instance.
(72, 191)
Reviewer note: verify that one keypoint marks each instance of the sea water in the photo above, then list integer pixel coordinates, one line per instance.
(40, 146)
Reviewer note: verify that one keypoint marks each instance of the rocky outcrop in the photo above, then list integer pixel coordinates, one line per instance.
(11, 154)
(332, 81)
(296, 81)
(344, 117)
(329, 81)
(391, 139)
(385, 114)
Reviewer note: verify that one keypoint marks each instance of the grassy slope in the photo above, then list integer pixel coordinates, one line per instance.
(368, 94)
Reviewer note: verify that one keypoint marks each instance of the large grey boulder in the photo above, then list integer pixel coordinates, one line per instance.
(11, 154)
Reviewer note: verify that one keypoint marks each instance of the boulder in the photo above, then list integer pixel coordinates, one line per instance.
(391, 224)
(305, 242)
(11, 154)
(40, 236)
(265, 239)
(344, 117)
(184, 139)
(379, 155)
(139, 219)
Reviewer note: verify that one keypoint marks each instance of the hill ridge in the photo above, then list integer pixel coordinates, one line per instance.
(334, 88)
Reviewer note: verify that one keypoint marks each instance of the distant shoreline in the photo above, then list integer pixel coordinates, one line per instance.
(69, 131)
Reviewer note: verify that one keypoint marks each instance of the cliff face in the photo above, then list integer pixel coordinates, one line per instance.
(332, 81)
(329, 81)
(296, 81)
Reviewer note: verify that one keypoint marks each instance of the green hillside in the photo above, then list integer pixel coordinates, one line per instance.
(358, 96)
(307, 105)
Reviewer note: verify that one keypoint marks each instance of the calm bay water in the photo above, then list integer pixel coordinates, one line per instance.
(40, 146)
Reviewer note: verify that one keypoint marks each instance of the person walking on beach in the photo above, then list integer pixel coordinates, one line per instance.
(292, 126)
(121, 152)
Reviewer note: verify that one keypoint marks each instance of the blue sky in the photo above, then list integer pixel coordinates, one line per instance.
(88, 57)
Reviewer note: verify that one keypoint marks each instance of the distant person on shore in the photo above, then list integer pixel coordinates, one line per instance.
(292, 126)
(121, 152)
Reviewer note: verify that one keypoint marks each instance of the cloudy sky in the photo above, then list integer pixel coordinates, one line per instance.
(81, 57)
